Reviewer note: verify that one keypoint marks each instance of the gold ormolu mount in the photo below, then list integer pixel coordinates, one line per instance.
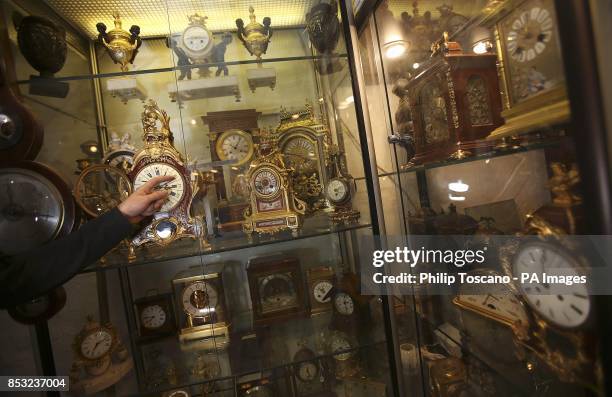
(122, 46)
(255, 36)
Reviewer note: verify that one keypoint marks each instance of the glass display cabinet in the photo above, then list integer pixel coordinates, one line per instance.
(245, 282)
(296, 131)
(476, 110)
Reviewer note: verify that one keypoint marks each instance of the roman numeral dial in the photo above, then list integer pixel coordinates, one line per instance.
(175, 188)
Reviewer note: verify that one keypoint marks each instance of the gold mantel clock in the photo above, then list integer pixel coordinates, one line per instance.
(273, 206)
(157, 158)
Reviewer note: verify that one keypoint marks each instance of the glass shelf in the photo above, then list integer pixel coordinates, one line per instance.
(39, 80)
(313, 227)
(308, 328)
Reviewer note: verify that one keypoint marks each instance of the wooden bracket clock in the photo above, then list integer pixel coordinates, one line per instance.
(455, 103)
(273, 205)
(157, 158)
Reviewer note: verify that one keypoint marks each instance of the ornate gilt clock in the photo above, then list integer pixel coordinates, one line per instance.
(273, 204)
(455, 104)
(303, 141)
(157, 158)
(200, 307)
(340, 190)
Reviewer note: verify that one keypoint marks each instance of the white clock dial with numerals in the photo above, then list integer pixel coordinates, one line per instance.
(196, 39)
(175, 187)
(344, 303)
(322, 291)
(337, 190)
(96, 344)
(153, 317)
(266, 182)
(235, 145)
(339, 343)
(530, 34)
(562, 305)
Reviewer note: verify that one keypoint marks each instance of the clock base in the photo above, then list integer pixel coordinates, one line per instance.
(205, 337)
(96, 384)
(344, 216)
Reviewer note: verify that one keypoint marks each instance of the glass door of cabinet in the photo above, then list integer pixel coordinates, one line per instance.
(470, 108)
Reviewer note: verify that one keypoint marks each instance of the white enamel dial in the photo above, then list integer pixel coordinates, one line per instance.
(96, 344)
(175, 187)
(339, 343)
(322, 291)
(266, 182)
(196, 38)
(344, 303)
(308, 371)
(337, 190)
(562, 305)
(504, 306)
(530, 34)
(153, 317)
(199, 299)
(178, 393)
(235, 145)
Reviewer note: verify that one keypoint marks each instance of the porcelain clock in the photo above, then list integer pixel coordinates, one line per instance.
(197, 40)
(160, 158)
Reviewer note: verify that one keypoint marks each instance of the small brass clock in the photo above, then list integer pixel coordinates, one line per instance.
(340, 190)
(321, 283)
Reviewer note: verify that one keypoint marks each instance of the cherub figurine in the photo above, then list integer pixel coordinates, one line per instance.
(563, 183)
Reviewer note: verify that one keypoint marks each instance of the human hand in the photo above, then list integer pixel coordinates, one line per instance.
(145, 201)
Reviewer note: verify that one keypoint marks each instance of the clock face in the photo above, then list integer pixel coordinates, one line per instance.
(340, 343)
(96, 344)
(31, 210)
(179, 393)
(433, 110)
(196, 39)
(532, 49)
(569, 309)
(122, 159)
(308, 371)
(301, 154)
(337, 190)
(499, 305)
(235, 145)
(153, 317)
(199, 299)
(530, 33)
(267, 182)
(277, 292)
(344, 303)
(322, 291)
(176, 187)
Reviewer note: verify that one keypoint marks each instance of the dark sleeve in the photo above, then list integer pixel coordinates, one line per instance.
(31, 274)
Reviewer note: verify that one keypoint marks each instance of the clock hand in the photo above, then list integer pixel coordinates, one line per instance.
(329, 293)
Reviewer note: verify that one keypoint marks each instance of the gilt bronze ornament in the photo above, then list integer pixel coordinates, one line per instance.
(122, 45)
(255, 36)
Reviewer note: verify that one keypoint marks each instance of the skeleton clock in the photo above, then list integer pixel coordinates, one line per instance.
(157, 158)
(273, 206)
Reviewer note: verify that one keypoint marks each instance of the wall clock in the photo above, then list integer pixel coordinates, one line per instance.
(529, 52)
(273, 205)
(275, 284)
(200, 306)
(159, 157)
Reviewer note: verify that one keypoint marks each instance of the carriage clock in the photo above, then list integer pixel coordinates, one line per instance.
(200, 307)
(160, 158)
(303, 141)
(232, 137)
(340, 190)
(273, 206)
(455, 104)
